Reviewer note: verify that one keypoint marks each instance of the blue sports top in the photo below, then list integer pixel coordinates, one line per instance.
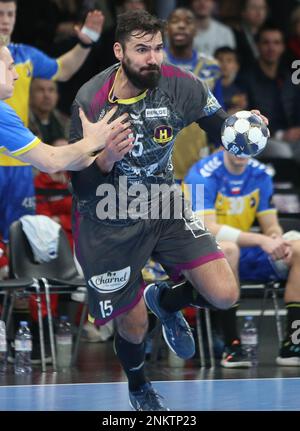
(235, 199)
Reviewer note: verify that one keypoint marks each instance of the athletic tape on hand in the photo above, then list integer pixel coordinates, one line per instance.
(92, 34)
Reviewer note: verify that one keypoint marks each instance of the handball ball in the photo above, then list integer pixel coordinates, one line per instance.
(244, 134)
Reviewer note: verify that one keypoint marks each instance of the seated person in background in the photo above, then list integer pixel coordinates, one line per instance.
(46, 123)
(45, 120)
(234, 98)
(211, 34)
(253, 15)
(269, 87)
(53, 198)
(294, 38)
(236, 191)
(191, 143)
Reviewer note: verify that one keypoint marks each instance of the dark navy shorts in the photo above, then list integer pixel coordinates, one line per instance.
(112, 258)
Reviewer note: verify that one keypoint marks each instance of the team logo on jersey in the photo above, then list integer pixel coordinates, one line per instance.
(163, 134)
(110, 281)
(157, 113)
(135, 116)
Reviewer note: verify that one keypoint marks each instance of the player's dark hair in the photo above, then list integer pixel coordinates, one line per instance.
(139, 22)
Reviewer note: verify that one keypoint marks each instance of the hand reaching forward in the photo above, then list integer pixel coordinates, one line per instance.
(103, 134)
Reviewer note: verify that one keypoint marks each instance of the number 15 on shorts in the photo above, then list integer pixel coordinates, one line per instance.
(106, 308)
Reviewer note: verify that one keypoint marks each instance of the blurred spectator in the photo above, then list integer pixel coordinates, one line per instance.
(69, 15)
(134, 5)
(164, 8)
(294, 39)
(229, 12)
(234, 98)
(45, 121)
(211, 34)
(191, 143)
(253, 16)
(53, 198)
(280, 12)
(269, 87)
(43, 17)
(126, 5)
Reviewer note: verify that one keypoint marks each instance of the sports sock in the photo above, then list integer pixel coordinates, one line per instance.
(182, 296)
(132, 358)
(293, 313)
(229, 324)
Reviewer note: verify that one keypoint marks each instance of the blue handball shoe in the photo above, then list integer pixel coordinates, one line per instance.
(146, 399)
(176, 330)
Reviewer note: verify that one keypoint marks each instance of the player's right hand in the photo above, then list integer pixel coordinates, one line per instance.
(276, 247)
(107, 135)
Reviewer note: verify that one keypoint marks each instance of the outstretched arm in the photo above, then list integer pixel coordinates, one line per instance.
(74, 59)
(82, 153)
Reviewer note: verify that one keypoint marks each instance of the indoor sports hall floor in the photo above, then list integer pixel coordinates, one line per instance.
(98, 384)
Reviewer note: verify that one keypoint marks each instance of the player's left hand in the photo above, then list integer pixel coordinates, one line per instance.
(257, 112)
(94, 21)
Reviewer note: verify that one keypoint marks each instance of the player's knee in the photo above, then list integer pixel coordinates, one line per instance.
(231, 251)
(229, 294)
(134, 333)
(296, 251)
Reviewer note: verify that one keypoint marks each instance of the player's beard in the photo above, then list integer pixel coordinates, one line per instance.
(139, 80)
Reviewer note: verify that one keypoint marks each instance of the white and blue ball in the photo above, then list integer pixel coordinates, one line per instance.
(244, 134)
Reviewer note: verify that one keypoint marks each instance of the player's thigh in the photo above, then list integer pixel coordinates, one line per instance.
(183, 246)
(216, 282)
(112, 259)
(187, 249)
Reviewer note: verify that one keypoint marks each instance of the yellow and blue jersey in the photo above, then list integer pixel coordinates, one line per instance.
(235, 199)
(30, 63)
(14, 136)
(205, 67)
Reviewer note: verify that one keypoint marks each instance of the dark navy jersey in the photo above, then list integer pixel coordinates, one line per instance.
(157, 116)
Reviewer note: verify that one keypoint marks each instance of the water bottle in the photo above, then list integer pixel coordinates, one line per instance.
(64, 343)
(3, 348)
(249, 340)
(23, 348)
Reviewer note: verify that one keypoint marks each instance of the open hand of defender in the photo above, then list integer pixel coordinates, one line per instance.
(92, 27)
(111, 136)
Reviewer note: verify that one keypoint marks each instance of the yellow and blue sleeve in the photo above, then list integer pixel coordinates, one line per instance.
(14, 136)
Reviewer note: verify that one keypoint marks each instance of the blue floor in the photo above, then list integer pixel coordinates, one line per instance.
(237, 394)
